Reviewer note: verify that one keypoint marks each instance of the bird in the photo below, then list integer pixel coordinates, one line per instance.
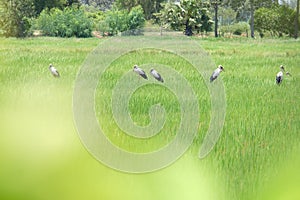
(216, 73)
(156, 75)
(279, 76)
(139, 71)
(54, 71)
(288, 73)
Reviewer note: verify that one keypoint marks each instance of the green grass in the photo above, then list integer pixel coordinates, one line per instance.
(256, 157)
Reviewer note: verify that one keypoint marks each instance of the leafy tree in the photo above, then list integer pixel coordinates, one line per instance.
(100, 4)
(277, 20)
(168, 17)
(136, 18)
(95, 14)
(115, 21)
(149, 6)
(40, 5)
(297, 21)
(123, 21)
(71, 2)
(15, 17)
(126, 4)
(227, 15)
(188, 15)
(247, 8)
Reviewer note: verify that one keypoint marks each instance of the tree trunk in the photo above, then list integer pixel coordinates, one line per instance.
(297, 21)
(188, 29)
(252, 19)
(216, 19)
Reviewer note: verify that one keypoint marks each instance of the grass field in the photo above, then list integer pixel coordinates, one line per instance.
(257, 156)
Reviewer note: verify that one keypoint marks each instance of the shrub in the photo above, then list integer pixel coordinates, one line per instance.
(117, 21)
(241, 27)
(93, 13)
(69, 22)
(276, 20)
(236, 29)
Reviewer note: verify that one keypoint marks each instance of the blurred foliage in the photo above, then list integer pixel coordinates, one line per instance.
(277, 20)
(40, 5)
(15, 17)
(98, 4)
(188, 16)
(149, 6)
(95, 14)
(227, 15)
(117, 21)
(69, 22)
(236, 29)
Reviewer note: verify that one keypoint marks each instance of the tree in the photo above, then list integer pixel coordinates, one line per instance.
(126, 4)
(188, 15)
(40, 5)
(71, 2)
(278, 20)
(250, 6)
(100, 4)
(149, 6)
(297, 21)
(15, 18)
(227, 15)
(117, 21)
(215, 4)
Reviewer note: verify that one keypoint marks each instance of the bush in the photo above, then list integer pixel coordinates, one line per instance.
(276, 20)
(241, 27)
(69, 22)
(117, 21)
(93, 13)
(236, 29)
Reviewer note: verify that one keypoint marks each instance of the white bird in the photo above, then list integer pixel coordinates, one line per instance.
(139, 71)
(279, 76)
(156, 75)
(54, 71)
(216, 73)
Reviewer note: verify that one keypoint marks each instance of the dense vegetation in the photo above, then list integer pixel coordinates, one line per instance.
(64, 23)
(18, 18)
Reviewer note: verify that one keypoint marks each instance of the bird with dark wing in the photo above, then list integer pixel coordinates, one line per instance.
(279, 75)
(139, 71)
(216, 73)
(156, 75)
(54, 71)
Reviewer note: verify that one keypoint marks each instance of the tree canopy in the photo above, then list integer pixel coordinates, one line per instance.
(188, 16)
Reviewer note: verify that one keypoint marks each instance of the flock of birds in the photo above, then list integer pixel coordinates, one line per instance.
(214, 76)
(157, 76)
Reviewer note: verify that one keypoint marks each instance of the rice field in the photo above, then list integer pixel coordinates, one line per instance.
(256, 157)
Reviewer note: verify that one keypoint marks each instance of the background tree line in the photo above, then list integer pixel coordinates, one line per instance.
(67, 18)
